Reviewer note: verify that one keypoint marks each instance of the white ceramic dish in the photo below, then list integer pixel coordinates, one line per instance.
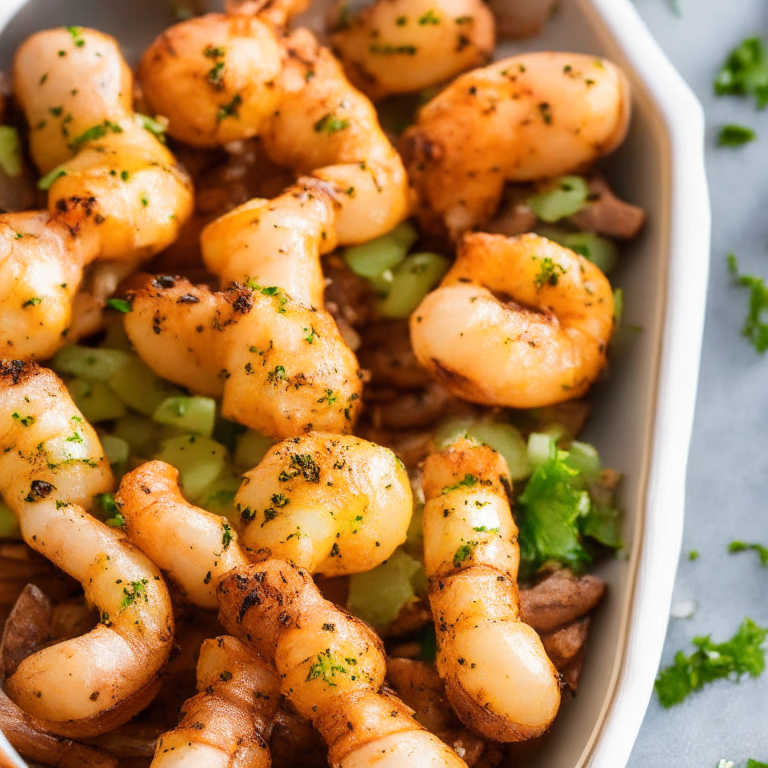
(644, 412)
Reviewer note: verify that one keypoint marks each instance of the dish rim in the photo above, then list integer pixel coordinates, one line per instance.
(687, 233)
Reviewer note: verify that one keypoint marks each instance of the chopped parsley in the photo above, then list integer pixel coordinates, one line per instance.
(77, 36)
(392, 50)
(121, 305)
(693, 555)
(755, 328)
(27, 421)
(742, 654)
(134, 591)
(740, 546)
(331, 124)
(745, 73)
(231, 109)
(301, 464)
(549, 272)
(227, 536)
(463, 552)
(33, 302)
(216, 75)
(327, 667)
(430, 17)
(735, 136)
(94, 133)
(277, 375)
(155, 126)
(467, 482)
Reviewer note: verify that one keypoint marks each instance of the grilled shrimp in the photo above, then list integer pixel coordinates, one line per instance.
(401, 46)
(333, 505)
(228, 723)
(280, 367)
(521, 119)
(112, 175)
(116, 192)
(331, 666)
(194, 548)
(544, 341)
(52, 467)
(295, 97)
(497, 674)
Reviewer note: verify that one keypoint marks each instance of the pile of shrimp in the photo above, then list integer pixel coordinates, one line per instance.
(212, 197)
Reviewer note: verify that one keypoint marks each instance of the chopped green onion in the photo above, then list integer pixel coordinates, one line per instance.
(189, 414)
(155, 125)
(121, 305)
(11, 155)
(412, 280)
(564, 197)
(374, 258)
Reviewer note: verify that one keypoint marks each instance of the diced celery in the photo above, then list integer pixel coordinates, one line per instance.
(502, 437)
(251, 447)
(563, 197)
(141, 434)
(96, 400)
(584, 458)
(414, 538)
(200, 462)
(139, 388)
(603, 253)
(89, 363)
(9, 523)
(219, 497)
(379, 595)
(412, 280)
(115, 449)
(11, 155)
(541, 448)
(377, 256)
(618, 305)
(190, 414)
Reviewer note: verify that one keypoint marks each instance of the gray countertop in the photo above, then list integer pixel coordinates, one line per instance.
(727, 485)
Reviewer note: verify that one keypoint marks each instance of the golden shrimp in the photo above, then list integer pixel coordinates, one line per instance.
(90, 684)
(116, 193)
(331, 667)
(530, 117)
(194, 548)
(228, 723)
(281, 368)
(296, 98)
(497, 674)
(330, 504)
(543, 342)
(402, 46)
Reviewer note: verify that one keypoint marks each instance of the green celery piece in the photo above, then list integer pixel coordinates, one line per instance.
(412, 280)
(562, 198)
(603, 524)
(189, 414)
(9, 523)
(251, 447)
(11, 153)
(743, 654)
(116, 449)
(139, 388)
(91, 364)
(96, 400)
(200, 461)
(374, 258)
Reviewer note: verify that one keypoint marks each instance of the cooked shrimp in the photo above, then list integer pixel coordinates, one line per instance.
(113, 175)
(497, 675)
(547, 343)
(401, 46)
(331, 667)
(280, 367)
(276, 242)
(52, 467)
(116, 192)
(296, 98)
(194, 548)
(228, 723)
(333, 505)
(529, 117)
(215, 78)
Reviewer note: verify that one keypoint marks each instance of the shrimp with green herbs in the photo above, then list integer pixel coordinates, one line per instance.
(228, 723)
(497, 674)
(331, 666)
(530, 117)
(519, 322)
(53, 467)
(402, 46)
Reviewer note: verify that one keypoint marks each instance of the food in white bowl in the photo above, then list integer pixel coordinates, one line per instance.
(271, 357)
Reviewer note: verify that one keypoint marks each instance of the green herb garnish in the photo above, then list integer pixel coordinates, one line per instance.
(735, 136)
(754, 328)
(745, 73)
(740, 546)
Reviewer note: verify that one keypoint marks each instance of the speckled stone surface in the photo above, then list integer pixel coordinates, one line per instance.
(727, 486)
